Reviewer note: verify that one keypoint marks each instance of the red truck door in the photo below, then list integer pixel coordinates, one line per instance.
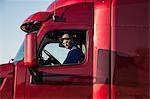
(55, 79)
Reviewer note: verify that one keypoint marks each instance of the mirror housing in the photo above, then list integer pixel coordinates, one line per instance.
(35, 20)
(30, 59)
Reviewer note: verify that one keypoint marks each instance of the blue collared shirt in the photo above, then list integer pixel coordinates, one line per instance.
(75, 55)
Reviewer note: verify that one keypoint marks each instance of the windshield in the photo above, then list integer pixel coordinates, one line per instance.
(20, 53)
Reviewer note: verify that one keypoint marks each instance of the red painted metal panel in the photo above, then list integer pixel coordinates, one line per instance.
(131, 70)
(19, 80)
(62, 3)
(101, 41)
(101, 91)
(6, 87)
(6, 69)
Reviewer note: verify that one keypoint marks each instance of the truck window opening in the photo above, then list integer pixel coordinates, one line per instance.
(51, 49)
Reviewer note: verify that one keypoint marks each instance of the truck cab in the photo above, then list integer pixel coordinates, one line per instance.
(115, 66)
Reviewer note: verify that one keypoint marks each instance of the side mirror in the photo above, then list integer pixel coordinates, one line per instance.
(30, 50)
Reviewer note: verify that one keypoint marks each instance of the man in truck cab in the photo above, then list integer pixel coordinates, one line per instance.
(62, 47)
(75, 55)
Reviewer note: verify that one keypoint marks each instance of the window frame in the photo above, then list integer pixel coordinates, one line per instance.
(39, 50)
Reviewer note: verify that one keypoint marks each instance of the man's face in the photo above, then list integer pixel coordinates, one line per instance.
(67, 42)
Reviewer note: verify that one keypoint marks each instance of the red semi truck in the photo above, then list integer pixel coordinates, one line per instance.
(114, 36)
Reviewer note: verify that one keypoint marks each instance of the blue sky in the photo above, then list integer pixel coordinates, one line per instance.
(12, 14)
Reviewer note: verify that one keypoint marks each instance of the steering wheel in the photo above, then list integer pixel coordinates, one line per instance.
(52, 59)
(47, 53)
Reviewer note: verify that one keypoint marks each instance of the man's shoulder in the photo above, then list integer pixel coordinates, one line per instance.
(77, 50)
(74, 47)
